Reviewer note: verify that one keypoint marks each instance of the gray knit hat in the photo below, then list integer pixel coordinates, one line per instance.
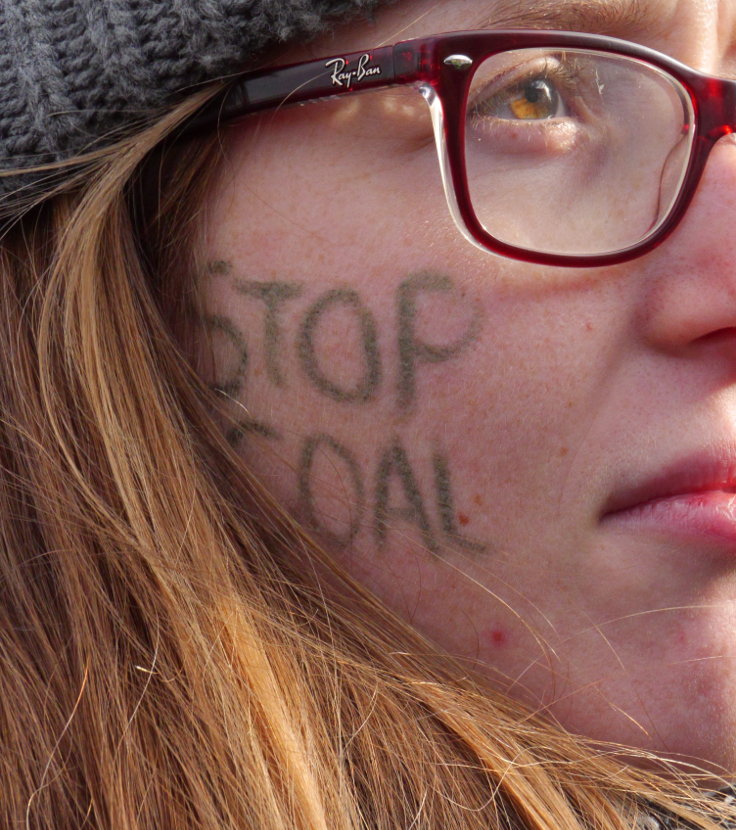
(75, 71)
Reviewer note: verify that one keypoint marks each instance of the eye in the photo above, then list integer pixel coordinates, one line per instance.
(532, 101)
(535, 99)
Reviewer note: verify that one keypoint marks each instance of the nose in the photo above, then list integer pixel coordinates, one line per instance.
(690, 294)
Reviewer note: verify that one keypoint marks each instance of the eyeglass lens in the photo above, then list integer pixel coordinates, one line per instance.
(574, 152)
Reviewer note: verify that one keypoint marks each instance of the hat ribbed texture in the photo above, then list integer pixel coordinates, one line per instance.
(72, 71)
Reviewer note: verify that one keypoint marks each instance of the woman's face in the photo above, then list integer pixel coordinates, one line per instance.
(534, 465)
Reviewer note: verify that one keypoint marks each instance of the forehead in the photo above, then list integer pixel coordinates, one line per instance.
(699, 32)
(569, 13)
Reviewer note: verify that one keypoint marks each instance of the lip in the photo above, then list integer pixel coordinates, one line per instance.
(692, 497)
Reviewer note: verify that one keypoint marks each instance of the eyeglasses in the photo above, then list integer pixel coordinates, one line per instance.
(554, 147)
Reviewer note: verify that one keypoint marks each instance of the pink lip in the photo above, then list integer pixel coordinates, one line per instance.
(695, 497)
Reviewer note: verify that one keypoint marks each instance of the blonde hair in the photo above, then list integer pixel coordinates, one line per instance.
(175, 651)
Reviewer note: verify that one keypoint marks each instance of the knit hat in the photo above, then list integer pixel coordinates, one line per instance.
(75, 71)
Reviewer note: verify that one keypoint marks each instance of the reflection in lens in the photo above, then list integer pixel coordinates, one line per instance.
(574, 152)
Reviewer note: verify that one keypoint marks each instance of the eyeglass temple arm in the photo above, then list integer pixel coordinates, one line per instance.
(323, 78)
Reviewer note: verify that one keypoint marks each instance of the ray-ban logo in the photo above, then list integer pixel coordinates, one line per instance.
(342, 76)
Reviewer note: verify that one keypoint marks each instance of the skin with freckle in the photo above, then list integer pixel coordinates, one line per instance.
(451, 425)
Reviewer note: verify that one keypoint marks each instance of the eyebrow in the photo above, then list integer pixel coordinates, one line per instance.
(595, 16)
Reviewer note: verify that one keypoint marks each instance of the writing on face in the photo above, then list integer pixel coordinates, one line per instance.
(397, 486)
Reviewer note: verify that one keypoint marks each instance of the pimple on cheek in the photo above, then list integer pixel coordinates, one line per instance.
(497, 637)
(445, 504)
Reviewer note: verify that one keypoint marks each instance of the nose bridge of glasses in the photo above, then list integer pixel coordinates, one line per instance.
(729, 106)
(715, 105)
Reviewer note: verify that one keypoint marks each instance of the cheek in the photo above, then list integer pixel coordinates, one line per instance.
(349, 314)
(322, 189)
(417, 404)
(388, 408)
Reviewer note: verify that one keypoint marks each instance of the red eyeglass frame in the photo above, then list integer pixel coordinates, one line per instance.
(433, 65)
